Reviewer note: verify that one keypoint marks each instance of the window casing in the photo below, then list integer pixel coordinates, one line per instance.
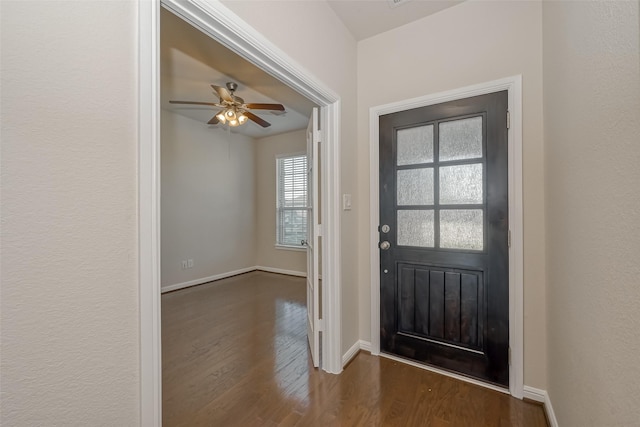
(291, 201)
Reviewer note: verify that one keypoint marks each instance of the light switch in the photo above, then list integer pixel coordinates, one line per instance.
(346, 202)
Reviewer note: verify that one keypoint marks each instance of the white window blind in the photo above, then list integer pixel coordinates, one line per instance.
(292, 202)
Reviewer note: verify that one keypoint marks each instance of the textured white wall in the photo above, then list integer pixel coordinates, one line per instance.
(69, 304)
(592, 158)
(312, 35)
(208, 200)
(68, 263)
(470, 43)
(266, 151)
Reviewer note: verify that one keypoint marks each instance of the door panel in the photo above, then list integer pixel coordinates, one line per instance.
(443, 195)
(441, 305)
(312, 243)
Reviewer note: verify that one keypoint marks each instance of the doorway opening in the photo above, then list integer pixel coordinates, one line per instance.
(226, 28)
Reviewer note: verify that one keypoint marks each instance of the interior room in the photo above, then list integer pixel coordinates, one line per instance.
(234, 220)
(84, 261)
(219, 182)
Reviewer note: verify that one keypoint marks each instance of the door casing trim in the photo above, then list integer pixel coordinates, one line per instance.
(216, 20)
(513, 85)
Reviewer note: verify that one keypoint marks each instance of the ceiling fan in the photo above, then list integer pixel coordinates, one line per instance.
(234, 110)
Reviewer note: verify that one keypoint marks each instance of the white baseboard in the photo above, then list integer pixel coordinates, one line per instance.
(281, 271)
(353, 350)
(351, 353)
(206, 279)
(365, 345)
(534, 394)
(542, 396)
(230, 274)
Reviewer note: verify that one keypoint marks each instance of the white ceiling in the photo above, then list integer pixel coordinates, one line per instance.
(366, 18)
(191, 61)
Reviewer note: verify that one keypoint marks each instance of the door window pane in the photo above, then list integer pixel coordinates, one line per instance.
(415, 145)
(461, 229)
(461, 184)
(461, 139)
(415, 186)
(415, 228)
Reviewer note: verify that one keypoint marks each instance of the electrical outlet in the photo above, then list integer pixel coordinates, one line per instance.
(189, 263)
(184, 265)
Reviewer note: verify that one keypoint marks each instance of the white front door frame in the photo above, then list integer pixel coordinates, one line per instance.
(213, 18)
(516, 274)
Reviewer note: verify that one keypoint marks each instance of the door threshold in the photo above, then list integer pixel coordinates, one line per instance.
(446, 373)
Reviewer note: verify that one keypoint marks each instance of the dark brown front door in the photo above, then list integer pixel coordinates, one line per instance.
(444, 236)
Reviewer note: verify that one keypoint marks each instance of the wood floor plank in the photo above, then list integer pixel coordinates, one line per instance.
(235, 353)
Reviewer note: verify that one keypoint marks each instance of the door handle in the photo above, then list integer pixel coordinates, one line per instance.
(384, 245)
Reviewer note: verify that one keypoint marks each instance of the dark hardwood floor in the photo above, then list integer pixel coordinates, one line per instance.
(235, 354)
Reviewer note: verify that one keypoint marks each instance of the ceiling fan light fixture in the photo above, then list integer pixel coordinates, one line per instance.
(234, 111)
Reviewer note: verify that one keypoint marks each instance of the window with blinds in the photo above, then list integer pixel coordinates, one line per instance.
(292, 202)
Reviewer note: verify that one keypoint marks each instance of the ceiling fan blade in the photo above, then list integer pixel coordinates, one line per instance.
(223, 93)
(193, 103)
(258, 120)
(277, 107)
